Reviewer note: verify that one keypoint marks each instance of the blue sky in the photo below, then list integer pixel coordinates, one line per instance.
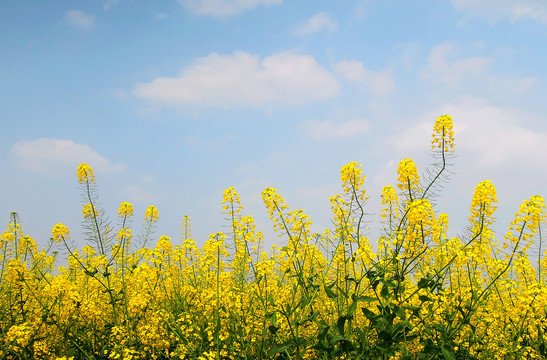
(171, 102)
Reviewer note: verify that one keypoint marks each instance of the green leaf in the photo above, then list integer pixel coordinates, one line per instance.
(448, 354)
(400, 312)
(340, 324)
(390, 284)
(340, 290)
(369, 314)
(331, 294)
(273, 318)
(367, 298)
(280, 349)
(337, 338)
(375, 284)
(398, 330)
(384, 292)
(422, 283)
(382, 323)
(352, 308)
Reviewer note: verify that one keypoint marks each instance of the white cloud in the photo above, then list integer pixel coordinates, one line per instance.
(360, 11)
(242, 79)
(495, 136)
(472, 75)
(324, 130)
(498, 137)
(526, 83)
(440, 68)
(380, 82)
(495, 9)
(224, 8)
(407, 54)
(46, 155)
(317, 23)
(352, 70)
(80, 19)
(507, 84)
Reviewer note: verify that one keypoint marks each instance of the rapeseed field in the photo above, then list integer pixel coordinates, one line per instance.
(413, 293)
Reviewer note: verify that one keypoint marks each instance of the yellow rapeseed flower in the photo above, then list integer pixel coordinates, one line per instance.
(59, 232)
(85, 173)
(124, 233)
(7, 236)
(164, 244)
(443, 133)
(275, 205)
(126, 209)
(484, 200)
(15, 228)
(151, 214)
(27, 243)
(186, 227)
(89, 210)
(20, 334)
(530, 214)
(230, 198)
(390, 201)
(353, 179)
(407, 175)
(420, 213)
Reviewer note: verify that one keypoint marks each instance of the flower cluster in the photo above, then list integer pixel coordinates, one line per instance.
(124, 233)
(231, 201)
(353, 180)
(407, 176)
(89, 211)
(484, 200)
(85, 174)
(276, 207)
(59, 232)
(151, 214)
(391, 202)
(126, 209)
(443, 134)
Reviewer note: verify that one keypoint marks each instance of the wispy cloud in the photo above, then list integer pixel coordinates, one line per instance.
(109, 3)
(318, 22)
(242, 79)
(138, 194)
(470, 74)
(327, 129)
(512, 84)
(496, 136)
(442, 68)
(379, 82)
(80, 19)
(495, 9)
(225, 8)
(408, 54)
(46, 155)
